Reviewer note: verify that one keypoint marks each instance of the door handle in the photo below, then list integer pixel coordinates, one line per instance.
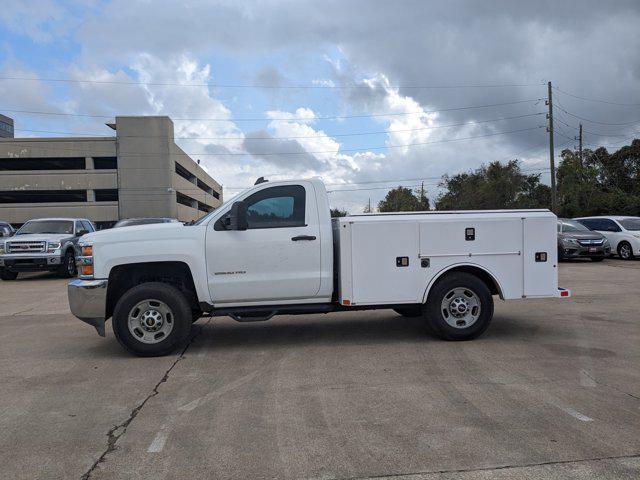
(303, 237)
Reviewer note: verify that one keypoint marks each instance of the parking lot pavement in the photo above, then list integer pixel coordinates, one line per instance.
(551, 391)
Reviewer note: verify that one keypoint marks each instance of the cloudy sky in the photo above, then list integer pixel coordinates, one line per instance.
(365, 94)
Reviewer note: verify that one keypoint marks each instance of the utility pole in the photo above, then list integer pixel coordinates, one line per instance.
(552, 164)
(580, 145)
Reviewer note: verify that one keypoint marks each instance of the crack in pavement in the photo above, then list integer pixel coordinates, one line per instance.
(611, 386)
(23, 311)
(117, 431)
(498, 467)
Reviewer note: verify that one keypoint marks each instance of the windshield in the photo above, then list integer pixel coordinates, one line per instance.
(572, 226)
(631, 223)
(46, 226)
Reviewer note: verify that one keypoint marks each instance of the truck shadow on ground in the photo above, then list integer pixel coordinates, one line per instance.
(222, 333)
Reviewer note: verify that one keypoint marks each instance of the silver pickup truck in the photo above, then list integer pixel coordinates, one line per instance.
(43, 244)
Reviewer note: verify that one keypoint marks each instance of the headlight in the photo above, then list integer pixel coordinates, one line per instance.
(570, 241)
(53, 246)
(85, 261)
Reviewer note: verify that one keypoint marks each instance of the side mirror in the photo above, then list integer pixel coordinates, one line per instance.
(238, 216)
(79, 233)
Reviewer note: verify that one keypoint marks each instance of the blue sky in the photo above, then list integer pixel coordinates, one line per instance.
(390, 62)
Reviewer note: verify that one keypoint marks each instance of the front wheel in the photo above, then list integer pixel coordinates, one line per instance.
(68, 267)
(459, 307)
(625, 251)
(152, 319)
(7, 274)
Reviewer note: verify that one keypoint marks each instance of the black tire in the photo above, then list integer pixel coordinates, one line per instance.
(7, 274)
(561, 257)
(180, 316)
(409, 311)
(196, 314)
(625, 251)
(68, 267)
(597, 259)
(435, 317)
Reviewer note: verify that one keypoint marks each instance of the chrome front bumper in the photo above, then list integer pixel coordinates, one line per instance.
(31, 262)
(88, 302)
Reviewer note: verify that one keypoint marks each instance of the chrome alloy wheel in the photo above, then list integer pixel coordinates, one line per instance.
(625, 251)
(150, 321)
(71, 265)
(460, 307)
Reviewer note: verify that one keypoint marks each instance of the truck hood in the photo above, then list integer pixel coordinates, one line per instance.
(40, 237)
(136, 232)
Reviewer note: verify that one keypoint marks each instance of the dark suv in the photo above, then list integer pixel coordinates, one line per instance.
(577, 241)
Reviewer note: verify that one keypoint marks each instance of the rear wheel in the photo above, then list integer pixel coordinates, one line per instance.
(7, 274)
(409, 311)
(152, 319)
(459, 307)
(625, 251)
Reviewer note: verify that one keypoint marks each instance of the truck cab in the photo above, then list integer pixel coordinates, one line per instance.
(275, 250)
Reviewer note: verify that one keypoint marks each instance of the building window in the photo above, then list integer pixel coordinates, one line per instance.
(43, 196)
(203, 207)
(183, 199)
(184, 173)
(105, 163)
(49, 163)
(106, 195)
(6, 127)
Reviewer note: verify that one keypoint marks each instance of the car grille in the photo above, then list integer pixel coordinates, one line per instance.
(591, 242)
(26, 247)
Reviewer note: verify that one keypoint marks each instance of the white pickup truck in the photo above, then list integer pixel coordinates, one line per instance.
(275, 250)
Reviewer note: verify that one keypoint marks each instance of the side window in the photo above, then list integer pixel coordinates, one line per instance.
(609, 225)
(591, 224)
(78, 226)
(276, 207)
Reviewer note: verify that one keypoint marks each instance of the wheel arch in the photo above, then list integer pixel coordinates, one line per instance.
(474, 269)
(123, 277)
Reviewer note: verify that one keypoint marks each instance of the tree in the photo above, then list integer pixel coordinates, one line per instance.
(493, 186)
(602, 183)
(336, 212)
(403, 199)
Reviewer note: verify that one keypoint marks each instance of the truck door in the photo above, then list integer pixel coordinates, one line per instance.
(277, 258)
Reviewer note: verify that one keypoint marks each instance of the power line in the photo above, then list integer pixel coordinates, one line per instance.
(379, 132)
(599, 134)
(258, 86)
(263, 154)
(596, 121)
(597, 100)
(287, 119)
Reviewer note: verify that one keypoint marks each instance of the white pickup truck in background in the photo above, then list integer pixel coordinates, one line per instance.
(275, 250)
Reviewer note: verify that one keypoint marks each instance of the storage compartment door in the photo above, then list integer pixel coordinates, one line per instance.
(540, 237)
(376, 277)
